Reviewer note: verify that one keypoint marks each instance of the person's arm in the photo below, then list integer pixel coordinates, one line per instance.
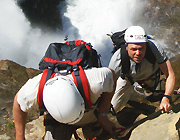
(19, 120)
(166, 68)
(104, 107)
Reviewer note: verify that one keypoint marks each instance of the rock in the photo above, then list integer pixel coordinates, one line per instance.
(32, 72)
(4, 137)
(12, 77)
(151, 123)
(35, 130)
(163, 127)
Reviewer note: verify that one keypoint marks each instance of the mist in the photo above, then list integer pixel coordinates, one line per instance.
(20, 42)
(82, 19)
(94, 19)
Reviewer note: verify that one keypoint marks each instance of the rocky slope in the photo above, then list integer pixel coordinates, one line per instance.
(161, 127)
(12, 77)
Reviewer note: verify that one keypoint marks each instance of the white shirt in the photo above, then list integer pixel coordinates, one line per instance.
(100, 80)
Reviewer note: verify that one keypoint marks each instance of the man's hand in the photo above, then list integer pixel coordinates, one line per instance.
(167, 69)
(165, 105)
(106, 124)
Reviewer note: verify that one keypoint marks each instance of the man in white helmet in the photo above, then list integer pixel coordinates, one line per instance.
(140, 68)
(65, 104)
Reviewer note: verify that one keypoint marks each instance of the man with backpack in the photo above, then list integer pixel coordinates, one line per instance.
(65, 104)
(73, 91)
(139, 60)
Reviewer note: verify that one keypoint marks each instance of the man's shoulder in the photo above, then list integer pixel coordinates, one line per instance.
(117, 52)
(94, 69)
(115, 58)
(153, 43)
(98, 72)
(158, 51)
(155, 46)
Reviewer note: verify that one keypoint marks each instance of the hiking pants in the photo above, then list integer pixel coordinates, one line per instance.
(59, 132)
(64, 132)
(125, 92)
(88, 123)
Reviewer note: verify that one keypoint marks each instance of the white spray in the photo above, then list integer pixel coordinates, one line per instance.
(94, 19)
(20, 42)
(83, 19)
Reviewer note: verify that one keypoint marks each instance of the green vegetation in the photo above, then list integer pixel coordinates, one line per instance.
(10, 125)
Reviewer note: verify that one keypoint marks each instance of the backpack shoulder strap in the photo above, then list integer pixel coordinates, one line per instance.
(47, 74)
(125, 64)
(81, 82)
(149, 54)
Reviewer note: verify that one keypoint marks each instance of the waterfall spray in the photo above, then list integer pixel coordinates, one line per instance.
(82, 19)
(94, 19)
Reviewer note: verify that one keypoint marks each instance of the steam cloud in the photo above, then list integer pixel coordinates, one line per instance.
(83, 19)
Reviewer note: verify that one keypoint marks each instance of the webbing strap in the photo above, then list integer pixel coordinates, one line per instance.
(125, 60)
(50, 60)
(125, 64)
(78, 42)
(95, 138)
(47, 74)
(81, 82)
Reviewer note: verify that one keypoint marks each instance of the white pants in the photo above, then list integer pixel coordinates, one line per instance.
(124, 92)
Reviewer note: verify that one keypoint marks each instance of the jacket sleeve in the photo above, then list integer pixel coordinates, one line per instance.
(158, 51)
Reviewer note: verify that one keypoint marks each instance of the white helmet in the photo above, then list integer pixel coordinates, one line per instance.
(63, 100)
(135, 34)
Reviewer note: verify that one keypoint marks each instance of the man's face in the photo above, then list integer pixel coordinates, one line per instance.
(136, 51)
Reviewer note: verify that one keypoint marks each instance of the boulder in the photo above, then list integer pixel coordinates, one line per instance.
(164, 127)
(35, 129)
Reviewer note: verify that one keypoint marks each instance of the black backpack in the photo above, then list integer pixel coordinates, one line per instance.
(119, 42)
(73, 57)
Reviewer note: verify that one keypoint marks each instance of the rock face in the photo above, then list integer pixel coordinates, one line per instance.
(164, 127)
(161, 127)
(35, 129)
(12, 77)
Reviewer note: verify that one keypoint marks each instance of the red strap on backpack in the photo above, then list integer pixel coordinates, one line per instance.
(85, 85)
(79, 42)
(41, 87)
(66, 62)
(82, 80)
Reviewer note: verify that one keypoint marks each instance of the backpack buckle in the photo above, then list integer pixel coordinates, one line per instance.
(75, 68)
(123, 76)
